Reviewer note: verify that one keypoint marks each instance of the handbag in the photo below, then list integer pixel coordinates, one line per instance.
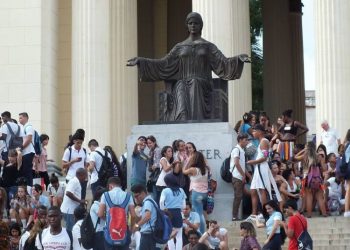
(304, 239)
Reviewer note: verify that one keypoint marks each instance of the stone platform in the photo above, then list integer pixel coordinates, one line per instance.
(215, 140)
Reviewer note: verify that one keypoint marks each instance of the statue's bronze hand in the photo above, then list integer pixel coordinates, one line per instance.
(132, 61)
(245, 58)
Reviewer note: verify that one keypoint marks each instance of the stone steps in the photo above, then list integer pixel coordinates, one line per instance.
(327, 233)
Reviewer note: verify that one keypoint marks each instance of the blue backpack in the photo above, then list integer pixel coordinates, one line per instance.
(163, 228)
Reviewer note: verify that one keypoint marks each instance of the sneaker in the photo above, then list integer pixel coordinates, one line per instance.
(347, 214)
(251, 218)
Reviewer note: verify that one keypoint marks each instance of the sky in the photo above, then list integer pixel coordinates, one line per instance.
(309, 44)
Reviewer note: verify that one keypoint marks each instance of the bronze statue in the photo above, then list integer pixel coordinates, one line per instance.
(189, 65)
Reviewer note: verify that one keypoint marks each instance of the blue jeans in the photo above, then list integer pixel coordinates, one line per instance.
(147, 242)
(69, 219)
(199, 201)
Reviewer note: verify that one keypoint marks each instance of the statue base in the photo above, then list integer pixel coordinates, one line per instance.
(214, 140)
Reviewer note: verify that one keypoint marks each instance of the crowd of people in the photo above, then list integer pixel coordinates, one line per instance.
(273, 177)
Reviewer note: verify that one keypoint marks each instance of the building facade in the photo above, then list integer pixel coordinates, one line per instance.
(64, 61)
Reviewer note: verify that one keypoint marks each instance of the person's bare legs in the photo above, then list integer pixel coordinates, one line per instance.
(263, 196)
(308, 201)
(321, 202)
(254, 197)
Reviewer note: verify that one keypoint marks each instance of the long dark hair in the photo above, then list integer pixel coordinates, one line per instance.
(276, 208)
(198, 161)
(121, 175)
(176, 144)
(164, 149)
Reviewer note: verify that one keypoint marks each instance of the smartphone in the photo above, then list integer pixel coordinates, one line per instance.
(79, 158)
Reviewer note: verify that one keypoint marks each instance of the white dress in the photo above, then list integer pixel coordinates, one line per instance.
(266, 179)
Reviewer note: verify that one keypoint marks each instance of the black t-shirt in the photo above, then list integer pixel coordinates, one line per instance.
(10, 175)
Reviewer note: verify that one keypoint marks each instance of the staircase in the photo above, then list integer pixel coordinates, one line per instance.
(327, 233)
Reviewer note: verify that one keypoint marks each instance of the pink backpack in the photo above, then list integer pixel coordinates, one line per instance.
(314, 178)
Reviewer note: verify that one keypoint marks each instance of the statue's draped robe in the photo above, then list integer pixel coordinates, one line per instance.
(191, 65)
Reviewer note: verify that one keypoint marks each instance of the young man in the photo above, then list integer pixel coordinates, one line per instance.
(74, 158)
(193, 237)
(237, 166)
(6, 134)
(96, 158)
(117, 196)
(148, 217)
(296, 224)
(191, 221)
(72, 197)
(54, 237)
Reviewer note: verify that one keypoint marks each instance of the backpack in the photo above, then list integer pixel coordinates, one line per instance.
(87, 232)
(106, 169)
(314, 178)
(225, 170)
(304, 239)
(69, 235)
(116, 231)
(16, 141)
(37, 143)
(162, 228)
(70, 152)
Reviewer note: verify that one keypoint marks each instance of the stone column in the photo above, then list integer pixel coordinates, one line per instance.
(283, 59)
(91, 78)
(124, 110)
(226, 24)
(332, 61)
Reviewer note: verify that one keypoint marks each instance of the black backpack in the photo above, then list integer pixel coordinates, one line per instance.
(30, 245)
(225, 172)
(123, 171)
(87, 232)
(106, 169)
(16, 141)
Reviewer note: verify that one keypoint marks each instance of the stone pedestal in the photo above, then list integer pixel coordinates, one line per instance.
(214, 140)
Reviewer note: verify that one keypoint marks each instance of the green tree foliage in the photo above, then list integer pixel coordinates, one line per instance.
(256, 28)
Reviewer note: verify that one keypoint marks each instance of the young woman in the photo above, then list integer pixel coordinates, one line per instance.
(3, 204)
(118, 171)
(289, 134)
(56, 190)
(198, 170)
(312, 179)
(40, 162)
(248, 123)
(166, 167)
(190, 150)
(15, 236)
(21, 206)
(322, 157)
(173, 200)
(262, 179)
(180, 154)
(289, 188)
(11, 172)
(273, 221)
(38, 199)
(248, 234)
(153, 165)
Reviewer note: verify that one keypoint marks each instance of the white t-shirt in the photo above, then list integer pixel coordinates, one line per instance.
(23, 240)
(330, 140)
(59, 241)
(97, 159)
(28, 130)
(4, 130)
(76, 165)
(68, 205)
(237, 152)
(335, 189)
(76, 236)
(59, 192)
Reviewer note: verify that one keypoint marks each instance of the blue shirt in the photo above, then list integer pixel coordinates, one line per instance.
(43, 200)
(94, 217)
(269, 223)
(193, 218)
(148, 206)
(170, 200)
(139, 167)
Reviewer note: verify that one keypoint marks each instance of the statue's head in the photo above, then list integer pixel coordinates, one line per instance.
(195, 16)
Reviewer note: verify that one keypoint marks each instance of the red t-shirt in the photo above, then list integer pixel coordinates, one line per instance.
(298, 224)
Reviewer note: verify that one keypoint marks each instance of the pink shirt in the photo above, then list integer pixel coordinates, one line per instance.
(199, 182)
(42, 165)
